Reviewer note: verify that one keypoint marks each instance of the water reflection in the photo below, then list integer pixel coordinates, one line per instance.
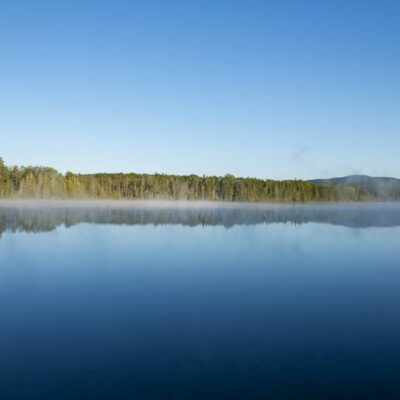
(268, 311)
(46, 216)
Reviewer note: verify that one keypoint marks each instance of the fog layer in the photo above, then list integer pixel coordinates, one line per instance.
(46, 215)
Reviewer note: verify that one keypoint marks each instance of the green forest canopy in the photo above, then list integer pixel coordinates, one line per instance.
(44, 182)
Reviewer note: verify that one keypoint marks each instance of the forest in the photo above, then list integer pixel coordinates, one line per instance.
(45, 182)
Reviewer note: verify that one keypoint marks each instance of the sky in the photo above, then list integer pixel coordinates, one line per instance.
(269, 89)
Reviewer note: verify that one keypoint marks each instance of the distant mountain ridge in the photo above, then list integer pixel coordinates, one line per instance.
(383, 188)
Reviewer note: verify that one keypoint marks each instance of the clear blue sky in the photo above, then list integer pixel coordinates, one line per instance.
(277, 89)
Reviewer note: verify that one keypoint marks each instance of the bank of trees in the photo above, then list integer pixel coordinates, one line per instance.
(43, 182)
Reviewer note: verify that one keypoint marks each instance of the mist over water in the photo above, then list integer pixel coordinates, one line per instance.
(179, 300)
(44, 215)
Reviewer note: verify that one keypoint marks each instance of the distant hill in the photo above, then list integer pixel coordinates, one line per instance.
(383, 188)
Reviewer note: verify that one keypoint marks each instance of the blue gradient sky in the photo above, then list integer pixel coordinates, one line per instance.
(280, 89)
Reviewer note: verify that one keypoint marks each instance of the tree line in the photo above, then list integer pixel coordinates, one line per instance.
(45, 182)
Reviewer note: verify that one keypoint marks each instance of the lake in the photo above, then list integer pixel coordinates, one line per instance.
(164, 300)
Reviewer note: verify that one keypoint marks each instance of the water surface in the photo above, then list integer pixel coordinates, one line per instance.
(198, 301)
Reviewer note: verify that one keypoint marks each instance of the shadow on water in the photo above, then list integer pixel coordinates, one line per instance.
(37, 216)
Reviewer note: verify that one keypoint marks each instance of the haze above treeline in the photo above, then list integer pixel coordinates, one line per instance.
(45, 182)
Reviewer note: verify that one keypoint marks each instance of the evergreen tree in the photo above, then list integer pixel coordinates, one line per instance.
(42, 182)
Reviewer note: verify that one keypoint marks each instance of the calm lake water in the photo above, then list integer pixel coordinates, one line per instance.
(169, 301)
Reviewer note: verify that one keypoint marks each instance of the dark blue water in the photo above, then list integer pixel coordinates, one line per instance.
(193, 303)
